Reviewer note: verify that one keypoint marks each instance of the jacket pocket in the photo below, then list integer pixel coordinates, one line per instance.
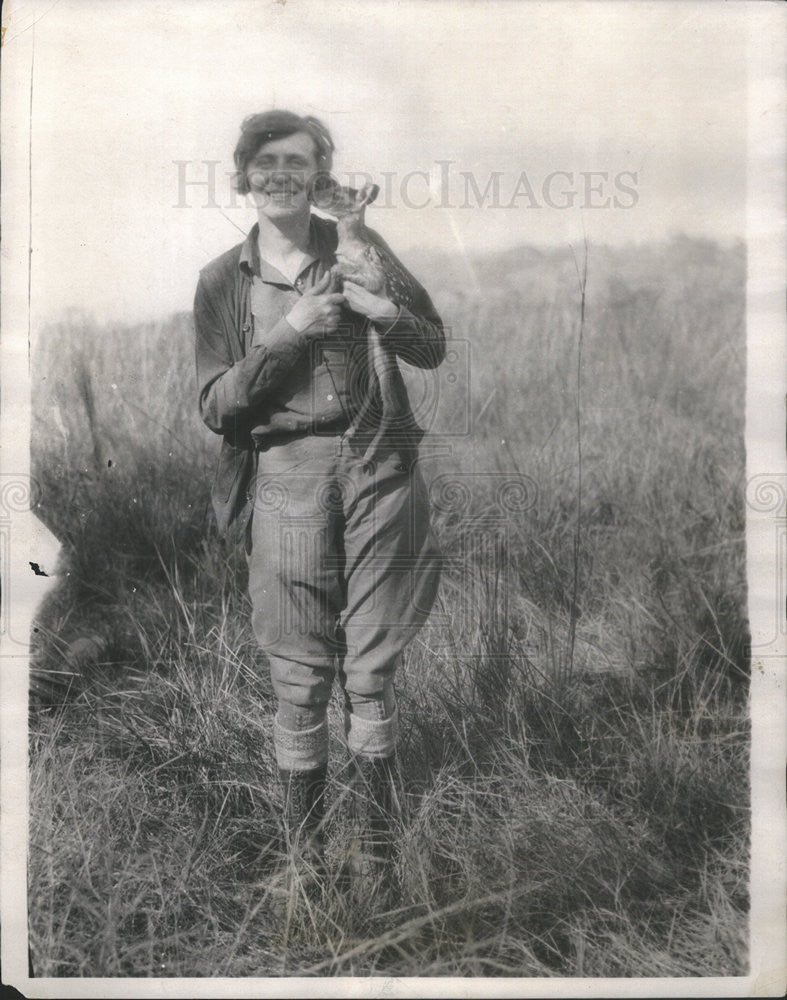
(233, 465)
(230, 484)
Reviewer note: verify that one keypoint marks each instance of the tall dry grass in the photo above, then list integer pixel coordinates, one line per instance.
(574, 719)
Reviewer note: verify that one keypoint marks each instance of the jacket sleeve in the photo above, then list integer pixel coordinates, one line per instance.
(230, 391)
(417, 332)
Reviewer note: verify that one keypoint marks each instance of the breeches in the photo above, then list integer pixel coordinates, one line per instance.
(343, 571)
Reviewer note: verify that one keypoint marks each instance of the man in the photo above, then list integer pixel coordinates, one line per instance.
(343, 568)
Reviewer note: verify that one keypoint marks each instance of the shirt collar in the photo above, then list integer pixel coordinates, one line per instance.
(320, 247)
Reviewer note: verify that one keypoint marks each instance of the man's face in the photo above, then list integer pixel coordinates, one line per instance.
(279, 174)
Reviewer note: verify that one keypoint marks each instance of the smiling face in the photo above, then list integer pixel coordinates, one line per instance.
(279, 174)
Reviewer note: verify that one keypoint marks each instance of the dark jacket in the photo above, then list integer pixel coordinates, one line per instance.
(236, 379)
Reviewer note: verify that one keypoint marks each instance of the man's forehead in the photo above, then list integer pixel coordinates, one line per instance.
(300, 143)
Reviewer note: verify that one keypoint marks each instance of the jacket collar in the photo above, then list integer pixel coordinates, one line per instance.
(322, 246)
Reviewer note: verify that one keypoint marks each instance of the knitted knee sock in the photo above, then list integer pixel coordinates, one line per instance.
(301, 749)
(371, 737)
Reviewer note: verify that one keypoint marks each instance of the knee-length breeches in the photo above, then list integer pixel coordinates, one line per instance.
(343, 568)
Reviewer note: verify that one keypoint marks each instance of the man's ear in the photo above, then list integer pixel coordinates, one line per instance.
(367, 194)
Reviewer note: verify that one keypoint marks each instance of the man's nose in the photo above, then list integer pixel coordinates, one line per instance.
(291, 176)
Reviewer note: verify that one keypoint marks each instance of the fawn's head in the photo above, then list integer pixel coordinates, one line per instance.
(347, 204)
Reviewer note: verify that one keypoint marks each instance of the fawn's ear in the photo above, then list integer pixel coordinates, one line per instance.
(367, 194)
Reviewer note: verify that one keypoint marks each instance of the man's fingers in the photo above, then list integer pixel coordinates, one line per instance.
(322, 285)
(335, 298)
(333, 317)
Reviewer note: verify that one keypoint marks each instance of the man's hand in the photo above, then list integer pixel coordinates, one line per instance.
(362, 301)
(318, 310)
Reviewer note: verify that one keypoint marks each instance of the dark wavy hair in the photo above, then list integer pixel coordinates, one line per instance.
(269, 125)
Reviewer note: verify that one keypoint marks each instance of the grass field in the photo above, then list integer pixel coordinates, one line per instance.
(574, 721)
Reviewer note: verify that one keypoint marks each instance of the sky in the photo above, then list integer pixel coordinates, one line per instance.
(488, 125)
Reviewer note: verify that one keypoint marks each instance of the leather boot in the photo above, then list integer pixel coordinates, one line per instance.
(373, 802)
(304, 813)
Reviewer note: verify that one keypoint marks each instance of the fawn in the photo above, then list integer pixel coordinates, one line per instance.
(360, 259)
